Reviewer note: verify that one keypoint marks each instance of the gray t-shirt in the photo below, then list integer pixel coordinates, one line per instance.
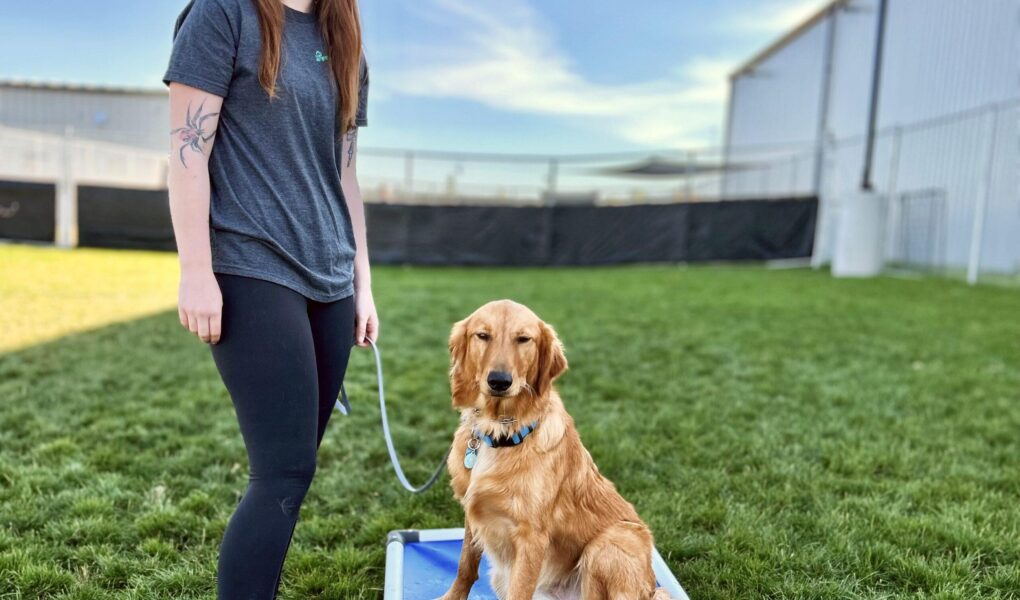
(277, 211)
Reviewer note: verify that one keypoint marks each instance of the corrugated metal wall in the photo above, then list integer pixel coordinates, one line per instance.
(132, 118)
(947, 122)
(773, 121)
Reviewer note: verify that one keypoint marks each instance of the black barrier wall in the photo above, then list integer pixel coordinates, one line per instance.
(592, 235)
(123, 218)
(490, 235)
(28, 211)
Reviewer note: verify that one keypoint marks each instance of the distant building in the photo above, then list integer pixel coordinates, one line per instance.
(129, 116)
(947, 114)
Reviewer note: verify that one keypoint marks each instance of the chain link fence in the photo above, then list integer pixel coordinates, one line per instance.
(437, 177)
(951, 185)
(951, 188)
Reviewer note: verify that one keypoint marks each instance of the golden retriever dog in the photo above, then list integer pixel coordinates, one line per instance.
(550, 524)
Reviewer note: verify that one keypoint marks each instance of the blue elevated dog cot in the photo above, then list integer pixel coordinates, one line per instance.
(421, 565)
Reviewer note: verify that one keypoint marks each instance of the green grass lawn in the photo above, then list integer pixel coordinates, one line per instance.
(785, 435)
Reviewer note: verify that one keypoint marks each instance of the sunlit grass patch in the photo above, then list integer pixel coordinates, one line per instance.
(48, 292)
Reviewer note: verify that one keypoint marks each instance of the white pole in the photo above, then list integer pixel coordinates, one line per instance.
(689, 175)
(984, 191)
(893, 205)
(793, 176)
(825, 214)
(409, 176)
(552, 180)
(67, 196)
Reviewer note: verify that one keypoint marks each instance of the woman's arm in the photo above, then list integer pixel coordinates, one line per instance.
(194, 116)
(367, 318)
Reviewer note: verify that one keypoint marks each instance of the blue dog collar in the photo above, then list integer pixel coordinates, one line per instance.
(510, 440)
(471, 453)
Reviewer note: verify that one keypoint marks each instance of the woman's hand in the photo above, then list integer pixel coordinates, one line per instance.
(366, 318)
(200, 304)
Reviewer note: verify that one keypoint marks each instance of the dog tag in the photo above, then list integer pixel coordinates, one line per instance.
(471, 453)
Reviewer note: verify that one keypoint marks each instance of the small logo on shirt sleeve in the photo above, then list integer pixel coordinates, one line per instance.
(320, 57)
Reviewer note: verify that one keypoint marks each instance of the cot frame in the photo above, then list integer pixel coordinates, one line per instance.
(394, 586)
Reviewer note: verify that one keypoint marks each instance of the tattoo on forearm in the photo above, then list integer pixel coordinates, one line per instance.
(352, 140)
(192, 135)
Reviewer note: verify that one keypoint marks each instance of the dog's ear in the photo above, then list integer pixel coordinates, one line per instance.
(460, 384)
(552, 361)
(458, 343)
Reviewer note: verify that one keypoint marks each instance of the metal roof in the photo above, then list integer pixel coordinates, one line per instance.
(77, 87)
(786, 38)
(661, 167)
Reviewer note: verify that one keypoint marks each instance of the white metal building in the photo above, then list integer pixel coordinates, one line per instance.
(83, 134)
(130, 116)
(946, 152)
(71, 135)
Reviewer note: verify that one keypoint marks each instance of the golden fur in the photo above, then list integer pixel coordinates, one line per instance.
(551, 525)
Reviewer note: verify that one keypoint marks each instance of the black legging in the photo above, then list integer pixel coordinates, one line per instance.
(282, 357)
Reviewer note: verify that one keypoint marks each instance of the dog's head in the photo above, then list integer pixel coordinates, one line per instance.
(503, 353)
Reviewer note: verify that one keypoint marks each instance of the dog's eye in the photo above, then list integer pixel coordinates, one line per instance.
(523, 339)
(482, 336)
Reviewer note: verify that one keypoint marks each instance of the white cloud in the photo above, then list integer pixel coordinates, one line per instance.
(504, 56)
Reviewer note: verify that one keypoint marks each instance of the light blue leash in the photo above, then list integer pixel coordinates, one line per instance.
(344, 406)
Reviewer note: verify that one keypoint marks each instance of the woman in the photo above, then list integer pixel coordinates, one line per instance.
(265, 100)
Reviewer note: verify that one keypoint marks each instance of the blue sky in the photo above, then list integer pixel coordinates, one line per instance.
(535, 76)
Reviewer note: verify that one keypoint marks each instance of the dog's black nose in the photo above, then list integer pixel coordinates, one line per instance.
(500, 381)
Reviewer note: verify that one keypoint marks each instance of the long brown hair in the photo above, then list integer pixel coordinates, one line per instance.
(341, 32)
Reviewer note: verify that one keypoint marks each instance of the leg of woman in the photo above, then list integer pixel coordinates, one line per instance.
(333, 332)
(266, 357)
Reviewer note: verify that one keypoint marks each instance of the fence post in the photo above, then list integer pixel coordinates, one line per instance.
(823, 102)
(724, 182)
(67, 196)
(984, 191)
(892, 203)
(552, 179)
(824, 215)
(793, 175)
(692, 159)
(409, 175)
